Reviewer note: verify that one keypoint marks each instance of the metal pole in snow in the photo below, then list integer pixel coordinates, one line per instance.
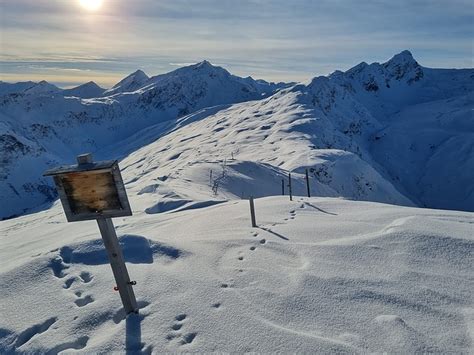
(307, 183)
(283, 187)
(117, 262)
(210, 177)
(289, 187)
(252, 212)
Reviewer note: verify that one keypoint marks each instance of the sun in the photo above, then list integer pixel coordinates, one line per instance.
(91, 5)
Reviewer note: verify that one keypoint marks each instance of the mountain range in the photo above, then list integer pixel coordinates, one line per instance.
(393, 132)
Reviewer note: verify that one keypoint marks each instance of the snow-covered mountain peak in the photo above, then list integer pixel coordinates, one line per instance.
(130, 83)
(90, 84)
(356, 69)
(137, 76)
(402, 57)
(203, 68)
(404, 66)
(400, 66)
(85, 91)
(43, 87)
(204, 64)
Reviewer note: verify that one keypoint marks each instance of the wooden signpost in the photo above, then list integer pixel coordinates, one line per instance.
(95, 190)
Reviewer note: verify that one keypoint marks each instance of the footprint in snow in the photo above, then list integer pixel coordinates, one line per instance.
(86, 277)
(188, 338)
(83, 301)
(68, 283)
(183, 339)
(180, 317)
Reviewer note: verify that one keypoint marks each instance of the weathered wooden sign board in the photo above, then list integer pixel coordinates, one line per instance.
(91, 190)
(95, 190)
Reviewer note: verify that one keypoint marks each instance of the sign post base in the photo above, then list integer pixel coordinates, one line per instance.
(117, 262)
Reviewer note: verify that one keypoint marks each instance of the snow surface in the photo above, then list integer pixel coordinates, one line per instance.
(318, 275)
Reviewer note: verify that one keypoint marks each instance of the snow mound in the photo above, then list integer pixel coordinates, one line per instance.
(136, 249)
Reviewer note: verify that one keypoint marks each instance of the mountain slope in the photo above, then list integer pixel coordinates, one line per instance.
(342, 131)
(41, 126)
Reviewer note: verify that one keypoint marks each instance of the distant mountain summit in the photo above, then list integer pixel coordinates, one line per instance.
(10, 88)
(85, 91)
(402, 67)
(202, 73)
(43, 87)
(128, 84)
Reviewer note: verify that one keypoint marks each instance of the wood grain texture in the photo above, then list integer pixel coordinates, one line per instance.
(92, 191)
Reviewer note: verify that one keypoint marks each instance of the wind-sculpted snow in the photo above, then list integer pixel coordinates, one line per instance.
(394, 132)
(318, 275)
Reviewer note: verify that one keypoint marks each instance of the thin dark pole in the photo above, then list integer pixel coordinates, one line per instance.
(252, 212)
(283, 187)
(307, 183)
(289, 187)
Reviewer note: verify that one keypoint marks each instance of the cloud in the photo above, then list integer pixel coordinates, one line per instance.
(273, 39)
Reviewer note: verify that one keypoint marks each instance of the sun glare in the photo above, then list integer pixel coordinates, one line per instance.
(91, 5)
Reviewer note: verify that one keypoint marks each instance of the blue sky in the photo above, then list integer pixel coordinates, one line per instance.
(291, 40)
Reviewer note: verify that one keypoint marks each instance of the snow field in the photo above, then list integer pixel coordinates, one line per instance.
(318, 274)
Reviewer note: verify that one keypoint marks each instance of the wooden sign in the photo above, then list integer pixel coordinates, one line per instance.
(95, 190)
(91, 190)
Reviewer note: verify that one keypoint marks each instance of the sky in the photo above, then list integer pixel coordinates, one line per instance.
(279, 40)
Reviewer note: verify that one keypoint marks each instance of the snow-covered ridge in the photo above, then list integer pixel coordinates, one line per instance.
(385, 132)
